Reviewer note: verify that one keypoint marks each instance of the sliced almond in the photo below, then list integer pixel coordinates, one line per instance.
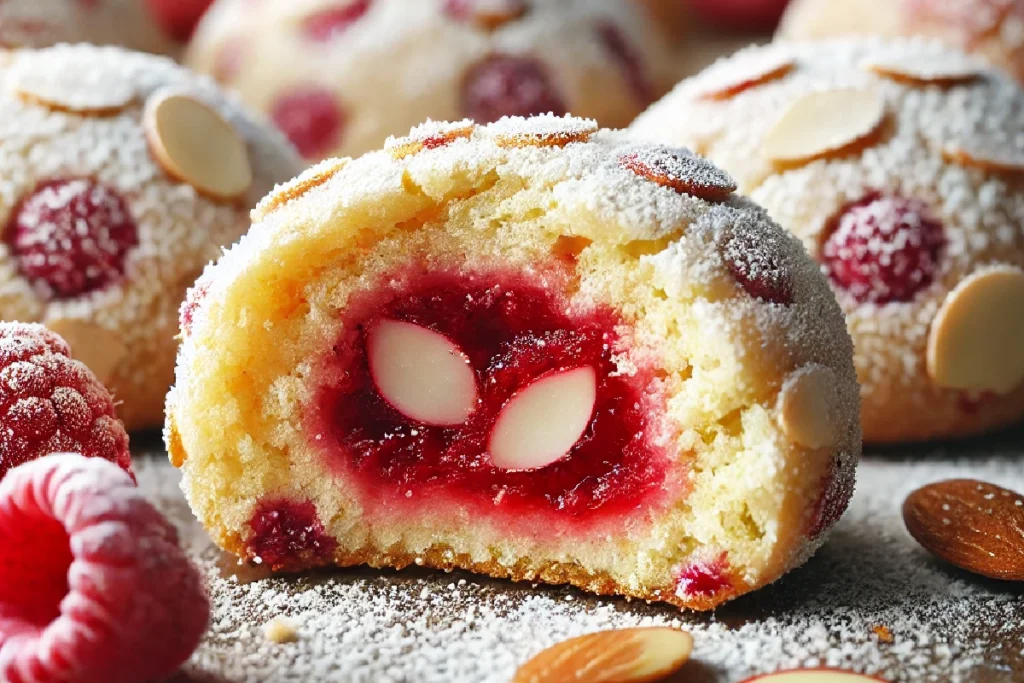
(945, 68)
(975, 341)
(971, 524)
(429, 135)
(74, 86)
(815, 676)
(541, 423)
(681, 171)
(823, 123)
(634, 655)
(488, 14)
(196, 145)
(810, 407)
(542, 131)
(994, 153)
(421, 373)
(295, 188)
(743, 73)
(99, 348)
(281, 630)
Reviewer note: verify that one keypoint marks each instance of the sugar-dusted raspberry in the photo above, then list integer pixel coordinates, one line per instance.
(509, 85)
(312, 118)
(288, 534)
(179, 17)
(628, 60)
(70, 236)
(93, 583)
(704, 578)
(884, 249)
(51, 403)
(324, 25)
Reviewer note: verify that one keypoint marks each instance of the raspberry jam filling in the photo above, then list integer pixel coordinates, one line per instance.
(485, 390)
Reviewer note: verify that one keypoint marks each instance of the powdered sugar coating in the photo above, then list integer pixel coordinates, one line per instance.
(576, 223)
(161, 232)
(975, 200)
(361, 624)
(42, 23)
(444, 60)
(113, 620)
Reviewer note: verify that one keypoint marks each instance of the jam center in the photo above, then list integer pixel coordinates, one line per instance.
(533, 415)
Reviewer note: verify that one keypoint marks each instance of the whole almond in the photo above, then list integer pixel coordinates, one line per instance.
(970, 524)
(634, 655)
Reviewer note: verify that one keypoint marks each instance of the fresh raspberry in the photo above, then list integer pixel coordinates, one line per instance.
(51, 403)
(324, 25)
(884, 249)
(70, 236)
(311, 118)
(93, 583)
(628, 60)
(287, 534)
(179, 17)
(508, 85)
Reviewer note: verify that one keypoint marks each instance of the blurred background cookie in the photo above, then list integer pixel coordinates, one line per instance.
(900, 165)
(993, 29)
(340, 77)
(41, 23)
(121, 176)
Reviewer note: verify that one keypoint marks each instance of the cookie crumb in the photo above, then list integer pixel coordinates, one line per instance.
(281, 630)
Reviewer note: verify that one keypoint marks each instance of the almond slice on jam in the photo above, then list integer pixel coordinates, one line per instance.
(430, 135)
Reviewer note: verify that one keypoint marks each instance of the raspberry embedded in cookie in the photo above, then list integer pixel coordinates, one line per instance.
(288, 534)
(756, 268)
(71, 236)
(884, 249)
(547, 425)
(509, 85)
(704, 578)
(326, 24)
(311, 118)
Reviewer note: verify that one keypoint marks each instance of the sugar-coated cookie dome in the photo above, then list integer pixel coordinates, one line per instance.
(900, 164)
(42, 23)
(339, 78)
(993, 29)
(121, 176)
(531, 349)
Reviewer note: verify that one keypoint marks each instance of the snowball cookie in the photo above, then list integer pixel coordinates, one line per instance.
(121, 176)
(993, 29)
(339, 77)
(531, 350)
(899, 165)
(40, 23)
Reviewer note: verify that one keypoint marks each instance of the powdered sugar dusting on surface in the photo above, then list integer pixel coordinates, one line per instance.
(364, 625)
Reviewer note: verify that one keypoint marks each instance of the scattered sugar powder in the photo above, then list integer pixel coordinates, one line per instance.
(364, 625)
